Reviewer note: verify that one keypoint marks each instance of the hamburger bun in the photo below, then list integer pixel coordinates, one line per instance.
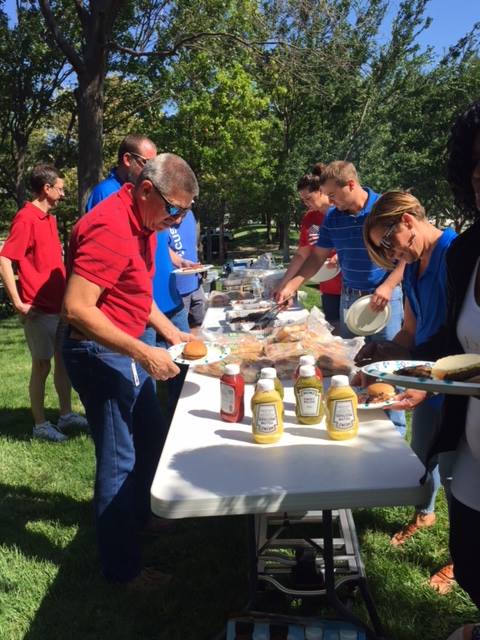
(461, 368)
(380, 392)
(194, 350)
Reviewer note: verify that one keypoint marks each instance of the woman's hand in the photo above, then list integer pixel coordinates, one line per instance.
(408, 400)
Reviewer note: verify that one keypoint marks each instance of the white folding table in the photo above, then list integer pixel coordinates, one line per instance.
(213, 468)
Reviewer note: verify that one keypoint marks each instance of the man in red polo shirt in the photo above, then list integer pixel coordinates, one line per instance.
(108, 304)
(34, 247)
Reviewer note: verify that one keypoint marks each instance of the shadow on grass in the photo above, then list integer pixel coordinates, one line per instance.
(207, 558)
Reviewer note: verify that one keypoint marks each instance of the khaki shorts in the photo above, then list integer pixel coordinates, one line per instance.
(42, 334)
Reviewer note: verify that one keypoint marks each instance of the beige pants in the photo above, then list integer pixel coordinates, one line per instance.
(42, 333)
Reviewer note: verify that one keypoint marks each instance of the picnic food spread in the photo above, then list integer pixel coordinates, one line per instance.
(418, 371)
(194, 350)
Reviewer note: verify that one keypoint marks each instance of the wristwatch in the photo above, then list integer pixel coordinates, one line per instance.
(476, 632)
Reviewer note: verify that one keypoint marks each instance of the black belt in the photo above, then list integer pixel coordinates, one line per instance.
(75, 334)
(356, 292)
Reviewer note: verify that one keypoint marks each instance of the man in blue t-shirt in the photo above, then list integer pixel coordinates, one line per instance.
(342, 230)
(182, 241)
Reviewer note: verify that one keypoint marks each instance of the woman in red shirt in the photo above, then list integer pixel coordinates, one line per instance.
(317, 204)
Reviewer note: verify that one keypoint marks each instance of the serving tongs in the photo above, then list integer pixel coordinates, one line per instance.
(268, 317)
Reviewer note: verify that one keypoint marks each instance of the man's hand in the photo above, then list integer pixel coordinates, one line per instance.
(381, 297)
(175, 336)
(22, 308)
(380, 351)
(158, 363)
(407, 400)
(285, 293)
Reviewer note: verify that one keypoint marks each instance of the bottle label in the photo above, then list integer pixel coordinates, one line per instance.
(309, 400)
(266, 418)
(343, 415)
(227, 402)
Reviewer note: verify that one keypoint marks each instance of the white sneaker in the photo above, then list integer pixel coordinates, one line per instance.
(71, 421)
(47, 431)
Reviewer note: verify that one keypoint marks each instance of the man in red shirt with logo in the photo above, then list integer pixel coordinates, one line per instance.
(34, 247)
(108, 304)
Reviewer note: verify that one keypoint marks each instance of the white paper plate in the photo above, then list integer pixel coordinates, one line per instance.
(363, 321)
(214, 354)
(324, 274)
(187, 271)
(384, 371)
(371, 405)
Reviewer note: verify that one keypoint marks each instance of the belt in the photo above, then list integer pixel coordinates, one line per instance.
(356, 292)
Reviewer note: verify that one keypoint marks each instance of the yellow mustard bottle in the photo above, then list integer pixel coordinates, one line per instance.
(267, 413)
(270, 373)
(342, 419)
(308, 396)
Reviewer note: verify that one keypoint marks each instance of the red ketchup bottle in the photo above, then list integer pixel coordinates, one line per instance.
(307, 360)
(232, 389)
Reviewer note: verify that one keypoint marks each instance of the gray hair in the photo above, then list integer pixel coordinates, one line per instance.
(169, 172)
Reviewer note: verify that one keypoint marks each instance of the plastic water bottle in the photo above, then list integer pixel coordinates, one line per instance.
(257, 288)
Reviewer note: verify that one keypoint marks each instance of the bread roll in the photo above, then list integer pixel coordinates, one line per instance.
(380, 392)
(462, 367)
(194, 350)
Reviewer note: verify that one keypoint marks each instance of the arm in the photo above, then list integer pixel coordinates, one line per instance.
(297, 261)
(8, 277)
(167, 329)
(180, 262)
(397, 349)
(406, 336)
(383, 293)
(311, 265)
(80, 309)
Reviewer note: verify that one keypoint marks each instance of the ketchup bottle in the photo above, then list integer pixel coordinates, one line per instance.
(307, 360)
(232, 389)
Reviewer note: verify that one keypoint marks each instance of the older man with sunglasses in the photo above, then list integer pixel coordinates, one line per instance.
(108, 303)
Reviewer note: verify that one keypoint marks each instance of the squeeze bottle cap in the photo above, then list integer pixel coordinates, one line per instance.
(307, 371)
(232, 369)
(265, 384)
(308, 359)
(340, 381)
(268, 373)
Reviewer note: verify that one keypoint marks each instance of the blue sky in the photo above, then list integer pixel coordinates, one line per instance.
(451, 20)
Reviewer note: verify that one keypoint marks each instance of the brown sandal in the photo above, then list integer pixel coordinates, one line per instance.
(443, 580)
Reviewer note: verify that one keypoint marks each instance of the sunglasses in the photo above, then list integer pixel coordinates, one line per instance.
(140, 159)
(387, 241)
(172, 210)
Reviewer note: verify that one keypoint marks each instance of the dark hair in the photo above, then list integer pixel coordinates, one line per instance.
(460, 164)
(131, 144)
(311, 181)
(43, 174)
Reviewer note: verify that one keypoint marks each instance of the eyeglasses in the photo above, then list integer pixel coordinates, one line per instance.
(59, 190)
(172, 210)
(142, 161)
(387, 241)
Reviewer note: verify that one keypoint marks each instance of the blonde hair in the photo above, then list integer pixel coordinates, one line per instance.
(340, 171)
(386, 212)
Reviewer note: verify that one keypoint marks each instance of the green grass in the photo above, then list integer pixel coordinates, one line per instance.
(50, 587)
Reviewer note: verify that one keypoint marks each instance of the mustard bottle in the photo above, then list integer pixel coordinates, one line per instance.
(342, 419)
(270, 373)
(267, 413)
(308, 396)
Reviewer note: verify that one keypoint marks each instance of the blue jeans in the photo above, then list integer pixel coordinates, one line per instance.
(425, 426)
(174, 385)
(128, 431)
(387, 333)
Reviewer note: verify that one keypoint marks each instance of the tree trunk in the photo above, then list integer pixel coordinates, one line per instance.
(268, 234)
(20, 158)
(89, 96)
(286, 237)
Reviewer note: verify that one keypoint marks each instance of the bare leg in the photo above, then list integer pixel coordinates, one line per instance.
(38, 377)
(62, 384)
